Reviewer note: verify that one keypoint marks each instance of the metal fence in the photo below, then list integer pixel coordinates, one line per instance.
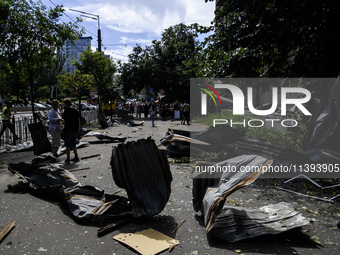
(90, 116)
(21, 127)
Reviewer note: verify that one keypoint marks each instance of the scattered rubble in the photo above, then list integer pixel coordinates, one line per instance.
(105, 138)
(6, 230)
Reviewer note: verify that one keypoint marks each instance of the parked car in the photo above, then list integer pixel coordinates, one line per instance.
(38, 106)
(85, 107)
(90, 106)
(48, 107)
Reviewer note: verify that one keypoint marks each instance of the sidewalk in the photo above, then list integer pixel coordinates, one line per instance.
(45, 225)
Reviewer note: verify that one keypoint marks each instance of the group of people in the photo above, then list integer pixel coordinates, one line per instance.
(151, 109)
(70, 120)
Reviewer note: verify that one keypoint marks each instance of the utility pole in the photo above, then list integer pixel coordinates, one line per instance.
(95, 17)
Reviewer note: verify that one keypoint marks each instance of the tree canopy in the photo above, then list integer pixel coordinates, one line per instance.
(30, 34)
(78, 82)
(161, 65)
(101, 67)
(272, 39)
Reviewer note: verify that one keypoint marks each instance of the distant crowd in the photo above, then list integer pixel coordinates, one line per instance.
(162, 110)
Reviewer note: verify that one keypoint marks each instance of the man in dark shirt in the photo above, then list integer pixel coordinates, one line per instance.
(72, 128)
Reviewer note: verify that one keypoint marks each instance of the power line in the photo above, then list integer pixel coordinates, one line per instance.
(116, 44)
(75, 21)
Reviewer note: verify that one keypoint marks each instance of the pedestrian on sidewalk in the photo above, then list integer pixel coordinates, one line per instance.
(72, 128)
(6, 117)
(54, 119)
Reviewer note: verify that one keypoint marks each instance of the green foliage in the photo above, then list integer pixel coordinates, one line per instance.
(161, 65)
(182, 160)
(78, 82)
(289, 137)
(30, 35)
(271, 39)
(101, 67)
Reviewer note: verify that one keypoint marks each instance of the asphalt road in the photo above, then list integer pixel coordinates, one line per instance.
(44, 225)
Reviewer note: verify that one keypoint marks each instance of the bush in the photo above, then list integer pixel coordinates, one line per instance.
(289, 137)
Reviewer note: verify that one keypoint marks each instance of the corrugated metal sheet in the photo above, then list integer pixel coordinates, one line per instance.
(86, 203)
(236, 223)
(229, 181)
(144, 172)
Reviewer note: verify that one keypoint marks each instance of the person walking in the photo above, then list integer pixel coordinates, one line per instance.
(6, 117)
(55, 119)
(146, 110)
(72, 128)
(152, 114)
(164, 112)
(186, 113)
(139, 109)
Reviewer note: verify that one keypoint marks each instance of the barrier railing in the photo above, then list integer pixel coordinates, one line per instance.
(21, 127)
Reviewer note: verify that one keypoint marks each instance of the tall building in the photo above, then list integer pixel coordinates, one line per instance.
(72, 51)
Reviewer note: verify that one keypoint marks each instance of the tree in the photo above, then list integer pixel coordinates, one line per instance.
(50, 73)
(31, 34)
(161, 65)
(272, 39)
(101, 67)
(80, 83)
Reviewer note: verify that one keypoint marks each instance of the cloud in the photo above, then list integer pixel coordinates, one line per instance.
(132, 22)
(149, 16)
(121, 53)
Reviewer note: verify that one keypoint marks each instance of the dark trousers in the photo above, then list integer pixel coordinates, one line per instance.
(7, 124)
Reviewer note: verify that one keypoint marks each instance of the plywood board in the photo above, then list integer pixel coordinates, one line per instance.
(147, 242)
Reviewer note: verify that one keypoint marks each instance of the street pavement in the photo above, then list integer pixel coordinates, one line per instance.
(44, 225)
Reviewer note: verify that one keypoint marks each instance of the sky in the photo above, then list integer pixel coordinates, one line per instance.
(126, 23)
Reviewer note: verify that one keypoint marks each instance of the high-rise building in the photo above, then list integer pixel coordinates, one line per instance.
(72, 51)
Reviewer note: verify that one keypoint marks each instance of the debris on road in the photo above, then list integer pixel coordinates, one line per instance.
(180, 145)
(25, 146)
(321, 140)
(6, 230)
(332, 189)
(41, 144)
(112, 227)
(86, 203)
(228, 182)
(144, 172)
(173, 231)
(148, 241)
(92, 156)
(106, 138)
(146, 178)
(237, 223)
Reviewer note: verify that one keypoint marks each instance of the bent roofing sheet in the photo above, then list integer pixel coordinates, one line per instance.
(214, 198)
(144, 172)
(86, 203)
(236, 223)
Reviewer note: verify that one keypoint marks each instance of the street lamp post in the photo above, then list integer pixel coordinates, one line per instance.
(95, 17)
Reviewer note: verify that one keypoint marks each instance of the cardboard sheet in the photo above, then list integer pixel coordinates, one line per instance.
(147, 242)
